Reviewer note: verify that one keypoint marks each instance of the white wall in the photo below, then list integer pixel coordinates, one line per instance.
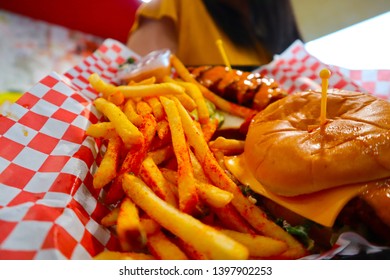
(318, 18)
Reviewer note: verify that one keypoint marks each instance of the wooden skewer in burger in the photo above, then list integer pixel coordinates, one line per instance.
(322, 157)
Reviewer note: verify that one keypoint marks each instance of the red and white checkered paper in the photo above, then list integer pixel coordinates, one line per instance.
(48, 207)
(297, 70)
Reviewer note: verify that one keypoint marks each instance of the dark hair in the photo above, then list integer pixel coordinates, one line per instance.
(268, 22)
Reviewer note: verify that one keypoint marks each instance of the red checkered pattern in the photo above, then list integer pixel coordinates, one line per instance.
(48, 206)
(297, 70)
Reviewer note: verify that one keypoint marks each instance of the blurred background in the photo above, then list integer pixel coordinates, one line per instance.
(113, 18)
(39, 36)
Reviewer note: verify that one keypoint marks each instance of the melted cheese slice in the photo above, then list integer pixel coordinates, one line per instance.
(321, 207)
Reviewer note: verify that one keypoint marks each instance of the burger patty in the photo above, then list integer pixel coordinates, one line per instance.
(358, 215)
(362, 215)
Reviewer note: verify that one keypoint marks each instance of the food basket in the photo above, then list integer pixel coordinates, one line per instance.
(48, 206)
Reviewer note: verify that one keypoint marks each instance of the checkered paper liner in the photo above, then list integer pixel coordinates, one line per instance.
(48, 206)
(297, 70)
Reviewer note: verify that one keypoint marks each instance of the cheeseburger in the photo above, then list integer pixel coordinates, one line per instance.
(335, 175)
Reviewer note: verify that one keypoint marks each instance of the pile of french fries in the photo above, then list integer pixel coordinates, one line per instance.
(164, 177)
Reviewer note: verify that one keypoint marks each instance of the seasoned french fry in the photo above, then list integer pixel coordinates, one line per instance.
(197, 96)
(152, 176)
(227, 146)
(101, 86)
(161, 155)
(198, 169)
(259, 246)
(231, 219)
(116, 97)
(164, 249)
(253, 214)
(212, 195)
(143, 108)
(133, 159)
(220, 156)
(163, 131)
(107, 170)
(157, 108)
(129, 229)
(101, 130)
(188, 197)
(126, 130)
(209, 129)
(190, 251)
(150, 226)
(112, 255)
(205, 239)
(217, 100)
(111, 218)
(151, 90)
(130, 112)
(187, 102)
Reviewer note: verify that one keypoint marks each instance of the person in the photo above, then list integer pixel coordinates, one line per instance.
(251, 31)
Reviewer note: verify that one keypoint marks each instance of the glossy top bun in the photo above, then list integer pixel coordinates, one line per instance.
(288, 151)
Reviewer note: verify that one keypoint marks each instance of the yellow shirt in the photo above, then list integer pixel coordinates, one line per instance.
(197, 34)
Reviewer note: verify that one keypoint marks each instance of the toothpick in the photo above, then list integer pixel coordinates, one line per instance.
(223, 53)
(324, 74)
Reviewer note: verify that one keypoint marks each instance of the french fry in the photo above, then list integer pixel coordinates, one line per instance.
(101, 86)
(142, 91)
(210, 194)
(220, 156)
(198, 169)
(253, 214)
(231, 219)
(217, 100)
(129, 229)
(126, 130)
(111, 218)
(116, 97)
(164, 249)
(107, 170)
(113, 255)
(104, 130)
(135, 156)
(130, 112)
(259, 246)
(187, 102)
(188, 197)
(161, 155)
(209, 129)
(190, 251)
(197, 96)
(142, 108)
(149, 226)
(152, 176)
(227, 146)
(157, 108)
(205, 239)
(163, 131)
(147, 81)
(133, 159)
